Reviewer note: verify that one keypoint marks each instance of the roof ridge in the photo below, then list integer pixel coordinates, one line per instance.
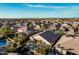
(44, 31)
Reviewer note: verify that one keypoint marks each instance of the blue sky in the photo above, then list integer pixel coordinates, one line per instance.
(39, 10)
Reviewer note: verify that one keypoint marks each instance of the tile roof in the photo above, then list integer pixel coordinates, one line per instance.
(64, 39)
(73, 44)
(70, 44)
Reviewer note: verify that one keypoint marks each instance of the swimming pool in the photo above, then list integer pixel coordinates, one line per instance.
(2, 42)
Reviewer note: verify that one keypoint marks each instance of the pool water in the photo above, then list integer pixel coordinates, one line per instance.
(2, 43)
(33, 46)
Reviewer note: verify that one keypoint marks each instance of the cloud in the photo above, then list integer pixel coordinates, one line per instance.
(44, 6)
(51, 6)
(38, 6)
(60, 11)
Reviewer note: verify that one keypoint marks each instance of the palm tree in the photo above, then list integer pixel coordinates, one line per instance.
(41, 51)
(21, 37)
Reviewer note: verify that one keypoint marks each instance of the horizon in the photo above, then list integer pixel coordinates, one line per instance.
(39, 10)
(37, 18)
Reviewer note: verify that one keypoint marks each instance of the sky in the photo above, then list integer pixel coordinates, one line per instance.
(39, 10)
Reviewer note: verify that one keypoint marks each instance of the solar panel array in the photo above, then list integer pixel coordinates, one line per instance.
(50, 36)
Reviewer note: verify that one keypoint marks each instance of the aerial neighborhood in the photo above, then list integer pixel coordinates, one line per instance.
(39, 36)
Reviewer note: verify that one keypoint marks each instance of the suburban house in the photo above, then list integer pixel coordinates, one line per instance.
(22, 29)
(47, 37)
(68, 30)
(37, 27)
(67, 46)
(78, 30)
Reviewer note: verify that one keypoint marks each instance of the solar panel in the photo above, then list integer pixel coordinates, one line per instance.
(50, 36)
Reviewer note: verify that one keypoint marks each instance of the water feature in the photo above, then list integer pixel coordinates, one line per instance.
(2, 42)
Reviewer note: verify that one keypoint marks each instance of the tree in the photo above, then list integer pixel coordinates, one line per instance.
(22, 36)
(40, 51)
(60, 32)
(4, 30)
(14, 45)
